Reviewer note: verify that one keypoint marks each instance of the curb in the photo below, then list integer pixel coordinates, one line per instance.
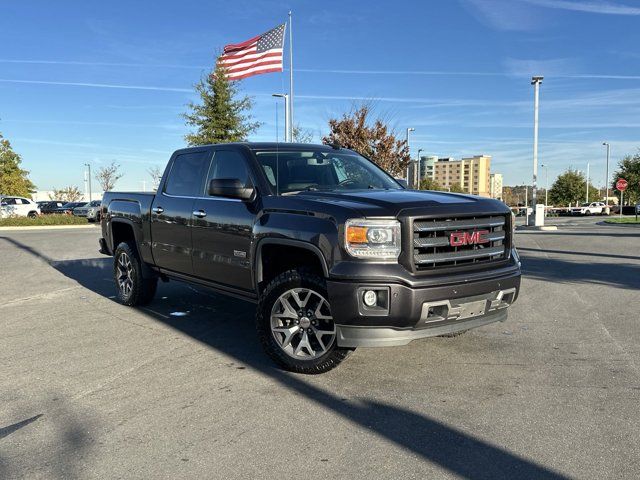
(612, 224)
(45, 227)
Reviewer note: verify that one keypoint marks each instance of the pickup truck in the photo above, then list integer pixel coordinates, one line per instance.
(336, 253)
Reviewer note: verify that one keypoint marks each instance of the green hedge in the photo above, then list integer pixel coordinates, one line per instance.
(42, 220)
(631, 220)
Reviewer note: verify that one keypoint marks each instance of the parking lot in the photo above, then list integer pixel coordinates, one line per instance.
(181, 389)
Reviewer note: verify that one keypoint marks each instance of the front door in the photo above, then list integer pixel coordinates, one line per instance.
(172, 211)
(222, 227)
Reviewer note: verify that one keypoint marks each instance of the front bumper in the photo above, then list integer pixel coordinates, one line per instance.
(410, 312)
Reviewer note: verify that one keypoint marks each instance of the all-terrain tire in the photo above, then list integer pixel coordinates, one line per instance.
(139, 290)
(294, 279)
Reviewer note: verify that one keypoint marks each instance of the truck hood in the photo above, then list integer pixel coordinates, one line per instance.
(395, 203)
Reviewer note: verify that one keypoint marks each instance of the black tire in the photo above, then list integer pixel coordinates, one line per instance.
(140, 290)
(283, 283)
(32, 214)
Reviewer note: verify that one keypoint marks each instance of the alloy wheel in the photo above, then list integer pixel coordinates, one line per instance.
(124, 274)
(302, 325)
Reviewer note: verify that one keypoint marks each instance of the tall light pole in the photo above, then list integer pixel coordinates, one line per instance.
(535, 81)
(409, 130)
(587, 195)
(419, 172)
(288, 132)
(606, 182)
(88, 165)
(546, 182)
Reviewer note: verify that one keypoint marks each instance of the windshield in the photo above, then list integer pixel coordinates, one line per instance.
(315, 170)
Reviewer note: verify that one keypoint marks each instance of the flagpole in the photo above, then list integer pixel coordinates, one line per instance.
(290, 78)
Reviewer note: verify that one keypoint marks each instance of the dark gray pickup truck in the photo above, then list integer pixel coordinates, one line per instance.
(335, 252)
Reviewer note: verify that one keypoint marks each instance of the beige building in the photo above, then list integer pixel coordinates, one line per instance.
(470, 174)
(495, 186)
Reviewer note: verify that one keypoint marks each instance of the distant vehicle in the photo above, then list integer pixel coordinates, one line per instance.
(67, 208)
(51, 207)
(592, 208)
(90, 210)
(11, 206)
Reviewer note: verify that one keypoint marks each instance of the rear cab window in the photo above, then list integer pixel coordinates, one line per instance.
(187, 175)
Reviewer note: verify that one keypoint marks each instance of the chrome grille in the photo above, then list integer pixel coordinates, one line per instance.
(432, 247)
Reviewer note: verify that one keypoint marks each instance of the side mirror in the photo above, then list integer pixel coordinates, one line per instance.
(230, 188)
(402, 182)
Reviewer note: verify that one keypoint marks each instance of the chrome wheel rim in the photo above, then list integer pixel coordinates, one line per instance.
(124, 274)
(302, 325)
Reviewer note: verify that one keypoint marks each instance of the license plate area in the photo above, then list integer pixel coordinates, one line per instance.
(465, 308)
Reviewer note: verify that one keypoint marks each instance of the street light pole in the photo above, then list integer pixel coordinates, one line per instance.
(409, 130)
(546, 182)
(606, 183)
(535, 81)
(288, 133)
(587, 196)
(88, 165)
(419, 171)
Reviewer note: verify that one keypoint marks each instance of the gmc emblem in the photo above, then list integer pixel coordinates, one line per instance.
(459, 239)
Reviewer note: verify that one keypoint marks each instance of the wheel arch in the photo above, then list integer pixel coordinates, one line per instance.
(308, 250)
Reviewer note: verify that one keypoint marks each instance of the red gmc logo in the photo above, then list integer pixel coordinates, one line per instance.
(459, 239)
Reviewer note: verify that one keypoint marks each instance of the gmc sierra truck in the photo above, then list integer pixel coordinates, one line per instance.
(334, 251)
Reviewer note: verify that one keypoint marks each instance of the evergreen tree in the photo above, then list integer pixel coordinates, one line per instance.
(13, 179)
(221, 117)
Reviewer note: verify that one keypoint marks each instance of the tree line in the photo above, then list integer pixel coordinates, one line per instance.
(223, 115)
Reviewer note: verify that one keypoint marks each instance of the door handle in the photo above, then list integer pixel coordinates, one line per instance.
(157, 209)
(199, 213)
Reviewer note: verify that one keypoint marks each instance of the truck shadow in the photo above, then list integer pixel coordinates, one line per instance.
(207, 317)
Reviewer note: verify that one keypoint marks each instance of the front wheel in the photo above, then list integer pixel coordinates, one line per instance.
(295, 325)
(133, 288)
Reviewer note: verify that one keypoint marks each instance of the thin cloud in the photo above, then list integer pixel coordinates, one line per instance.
(98, 85)
(600, 7)
(101, 64)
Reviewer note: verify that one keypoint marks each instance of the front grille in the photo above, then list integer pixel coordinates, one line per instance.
(432, 247)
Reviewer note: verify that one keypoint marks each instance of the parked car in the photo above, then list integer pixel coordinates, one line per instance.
(11, 206)
(90, 210)
(333, 250)
(68, 207)
(51, 207)
(589, 208)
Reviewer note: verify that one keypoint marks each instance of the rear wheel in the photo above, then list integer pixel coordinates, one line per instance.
(133, 288)
(295, 325)
(32, 214)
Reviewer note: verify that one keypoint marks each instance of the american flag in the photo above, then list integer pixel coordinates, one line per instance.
(261, 54)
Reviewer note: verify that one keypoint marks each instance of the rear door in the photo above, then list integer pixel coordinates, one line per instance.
(222, 227)
(172, 208)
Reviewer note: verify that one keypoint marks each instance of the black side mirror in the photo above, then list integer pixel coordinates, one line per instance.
(230, 188)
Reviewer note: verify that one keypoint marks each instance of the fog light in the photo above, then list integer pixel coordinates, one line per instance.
(370, 298)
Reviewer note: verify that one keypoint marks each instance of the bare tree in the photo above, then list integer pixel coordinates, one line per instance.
(372, 138)
(108, 176)
(302, 135)
(156, 175)
(66, 194)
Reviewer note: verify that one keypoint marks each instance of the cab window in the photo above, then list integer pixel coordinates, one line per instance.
(187, 174)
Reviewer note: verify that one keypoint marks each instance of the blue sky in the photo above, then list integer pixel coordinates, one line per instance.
(100, 81)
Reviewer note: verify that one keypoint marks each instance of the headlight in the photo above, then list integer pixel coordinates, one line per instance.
(373, 238)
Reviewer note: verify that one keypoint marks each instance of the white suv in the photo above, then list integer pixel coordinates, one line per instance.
(593, 208)
(18, 207)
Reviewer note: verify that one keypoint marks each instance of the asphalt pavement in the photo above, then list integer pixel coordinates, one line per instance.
(181, 389)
